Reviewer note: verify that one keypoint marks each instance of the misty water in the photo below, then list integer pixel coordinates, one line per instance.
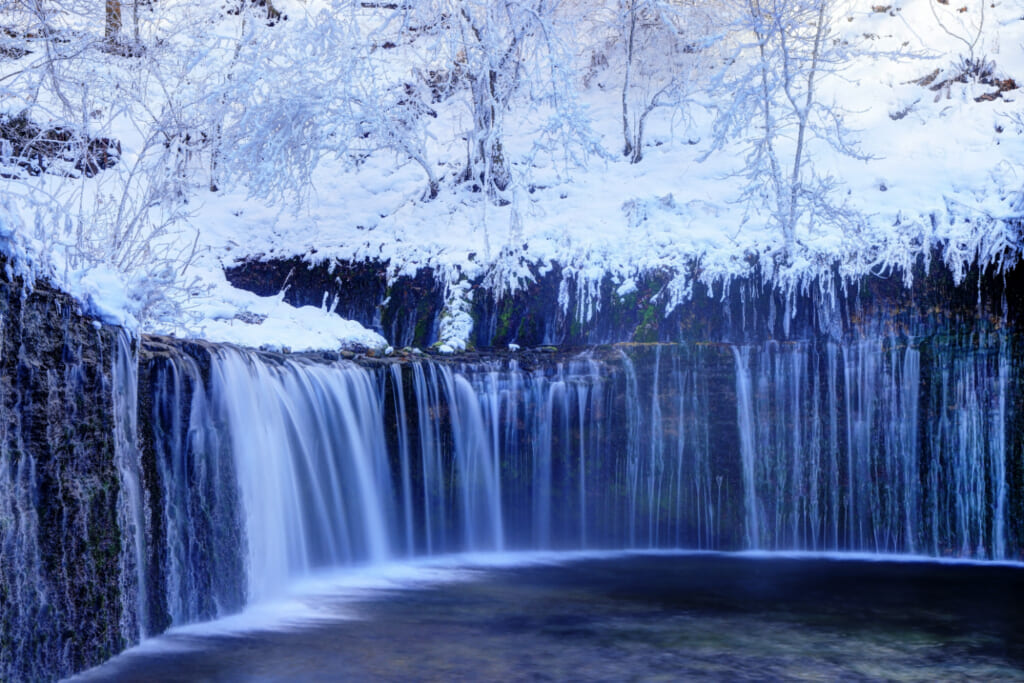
(620, 617)
(309, 518)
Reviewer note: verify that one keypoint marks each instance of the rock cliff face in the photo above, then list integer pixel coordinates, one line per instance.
(557, 308)
(406, 312)
(60, 547)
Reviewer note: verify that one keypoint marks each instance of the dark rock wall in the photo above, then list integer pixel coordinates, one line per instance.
(60, 598)
(407, 312)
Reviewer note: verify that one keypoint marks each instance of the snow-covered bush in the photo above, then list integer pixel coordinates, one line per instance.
(966, 23)
(285, 101)
(111, 204)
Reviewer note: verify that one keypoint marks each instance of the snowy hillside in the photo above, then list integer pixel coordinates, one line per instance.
(479, 138)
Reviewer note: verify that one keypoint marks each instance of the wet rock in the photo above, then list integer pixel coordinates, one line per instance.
(60, 599)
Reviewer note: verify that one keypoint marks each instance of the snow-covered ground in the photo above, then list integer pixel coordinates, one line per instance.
(942, 169)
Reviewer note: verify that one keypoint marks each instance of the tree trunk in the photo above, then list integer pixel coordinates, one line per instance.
(112, 25)
(487, 163)
(631, 143)
(803, 116)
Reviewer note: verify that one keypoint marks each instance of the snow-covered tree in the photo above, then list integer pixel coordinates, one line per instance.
(112, 20)
(289, 97)
(92, 157)
(772, 103)
(488, 43)
(668, 52)
(496, 57)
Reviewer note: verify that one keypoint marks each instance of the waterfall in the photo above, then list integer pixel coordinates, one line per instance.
(881, 456)
(968, 488)
(402, 436)
(745, 420)
(131, 506)
(270, 468)
(312, 466)
(473, 423)
(998, 445)
(195, 537)
(21, 572)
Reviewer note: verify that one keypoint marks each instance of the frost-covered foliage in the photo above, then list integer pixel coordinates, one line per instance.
(105, 216)
(289, 96)
(485, 140)
(784, 49)
(666, 53)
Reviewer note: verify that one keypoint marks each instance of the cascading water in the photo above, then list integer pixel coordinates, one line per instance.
(131, 508)
(325, 499)
(195, 539)
(744, 417)
(271, 468)
(864, 480)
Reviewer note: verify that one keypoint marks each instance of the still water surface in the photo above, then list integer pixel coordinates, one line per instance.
(624, 617)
